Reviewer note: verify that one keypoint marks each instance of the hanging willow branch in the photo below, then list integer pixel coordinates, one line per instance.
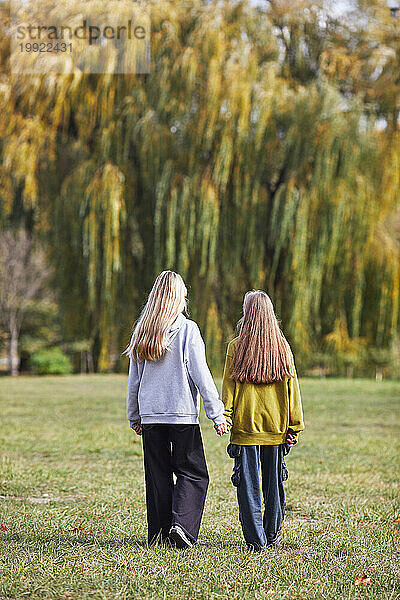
(235, 161)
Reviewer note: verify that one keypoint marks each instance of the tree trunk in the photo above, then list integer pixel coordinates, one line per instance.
(379, 374)
(13, 361)
(90, 365)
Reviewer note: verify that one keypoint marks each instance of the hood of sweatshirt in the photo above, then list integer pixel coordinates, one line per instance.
(176, 325)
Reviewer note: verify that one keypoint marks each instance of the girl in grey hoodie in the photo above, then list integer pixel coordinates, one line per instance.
(167, 374)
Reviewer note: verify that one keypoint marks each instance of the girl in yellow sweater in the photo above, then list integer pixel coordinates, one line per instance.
(263, 407)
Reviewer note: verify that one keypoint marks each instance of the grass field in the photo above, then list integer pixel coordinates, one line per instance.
(72, 508)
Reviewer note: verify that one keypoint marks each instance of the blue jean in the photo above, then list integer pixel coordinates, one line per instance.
(260, 530)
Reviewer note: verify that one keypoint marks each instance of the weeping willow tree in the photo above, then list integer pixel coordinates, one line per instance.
(249, 157)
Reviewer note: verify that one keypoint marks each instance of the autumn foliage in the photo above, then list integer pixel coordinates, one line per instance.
(262, 151)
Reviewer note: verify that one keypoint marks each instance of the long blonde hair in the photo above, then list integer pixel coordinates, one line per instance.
(262, 353)
(166, 301)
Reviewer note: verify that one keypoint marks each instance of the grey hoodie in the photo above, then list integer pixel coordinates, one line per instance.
(168, 390)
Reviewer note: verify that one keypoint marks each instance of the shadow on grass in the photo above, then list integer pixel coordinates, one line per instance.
(74, 540)
(129, 541)
(219, 544)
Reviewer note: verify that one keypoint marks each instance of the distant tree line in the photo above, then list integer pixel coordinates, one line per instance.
(262, 151)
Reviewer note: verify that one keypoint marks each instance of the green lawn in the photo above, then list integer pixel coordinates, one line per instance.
(73, 521)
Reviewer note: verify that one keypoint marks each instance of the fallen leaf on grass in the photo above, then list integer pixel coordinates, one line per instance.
(362, 579)
(301, 559)
(84, 531)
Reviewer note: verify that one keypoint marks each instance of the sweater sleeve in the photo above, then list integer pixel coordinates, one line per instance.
(296, 422)
(202, 378)
(228, 389)
(132, 404)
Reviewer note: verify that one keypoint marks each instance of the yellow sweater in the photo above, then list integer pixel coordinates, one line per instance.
(260, 414)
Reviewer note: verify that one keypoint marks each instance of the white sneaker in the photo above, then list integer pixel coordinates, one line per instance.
(177, 535)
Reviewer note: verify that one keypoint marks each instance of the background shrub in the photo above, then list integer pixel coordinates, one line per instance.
(50, 361)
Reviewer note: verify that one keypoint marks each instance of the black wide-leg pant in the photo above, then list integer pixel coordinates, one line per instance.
(169, 450)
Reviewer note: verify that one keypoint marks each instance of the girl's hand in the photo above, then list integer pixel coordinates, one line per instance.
(137, 428)
(221, 428)
(290, 440)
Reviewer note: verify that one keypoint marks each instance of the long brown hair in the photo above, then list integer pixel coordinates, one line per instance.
(166, 301)
(262, 353)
